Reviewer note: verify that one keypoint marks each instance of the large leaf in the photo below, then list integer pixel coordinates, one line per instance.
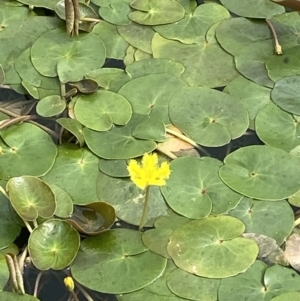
(70, 59)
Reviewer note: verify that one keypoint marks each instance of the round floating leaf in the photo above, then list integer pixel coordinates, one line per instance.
(16, 41)
(128, 200)
(53, 244)
(74, 127)
(31, 197)
(114, 43)
(213, 68)
(8, 296)
(21, 144)
(100, 110)
(64, 203)
(193, 27)
(273, 219)
(212, 123)
(253, 96)
(260, 283)
(154, 66)
(157, 240)
(278, 128)
(116, 12)
(93, 218)
(119, 142)
(193, 287)
(137, 35)
(116, 252)
(50, 106)
(286, 94)
(40, 3)
(261, 172)
(4, 273)
(250, 61)
(70, 59)
(75, 170)
(212, 248)
(146, 100)
(194, 188)
(295, 296)
(232, 38)
(155, 12)
(254, 8)
(114, 168)
(280, 66)
(171, 221)
(9, 223)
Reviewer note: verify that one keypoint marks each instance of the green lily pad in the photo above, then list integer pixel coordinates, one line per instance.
(212, 247)
(232, 38)
(53, 244)
(51, 105)
(137, 35)
(64, 203)
(212, 123)
(148, 101)
(16, 41)
(193, 287)
(116, 252)
(155, 66)
(114, 43)
(40, 3)
(92, 219)
(284, 133)
(280, 66)
(36, 84)
(75, 170)
(295, 296)
(74, 127)
(21, 144)
(4, 273)
(114, 168)
(213, 68)
(261, 172)
(171, 221)
(194, 188)
(116, 12)
(67, 58)
(157, 240)
(156, 12)
(109, 78)
(250, 62)
(128, 200)
(260, 283)
(253, 96)
(31, 197)
(100, 110)
(286, 94)
(254, 8)
(193, 27)
(9, 227)
(8, 296)
(119, 142)
(273, 219)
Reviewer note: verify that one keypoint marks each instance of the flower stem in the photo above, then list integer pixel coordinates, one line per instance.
(278, 48)
(145, 210)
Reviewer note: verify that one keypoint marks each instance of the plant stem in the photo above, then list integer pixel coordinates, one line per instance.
(36, 285)
(166, 152)
(90, 20)
(3, 191)
(28, 226)
(84, 292)
(278, 48)
(182, 137)
(145, 210)
(297, 222)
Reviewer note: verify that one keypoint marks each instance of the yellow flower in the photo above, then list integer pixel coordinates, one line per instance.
(69, 283)
(148, 173)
